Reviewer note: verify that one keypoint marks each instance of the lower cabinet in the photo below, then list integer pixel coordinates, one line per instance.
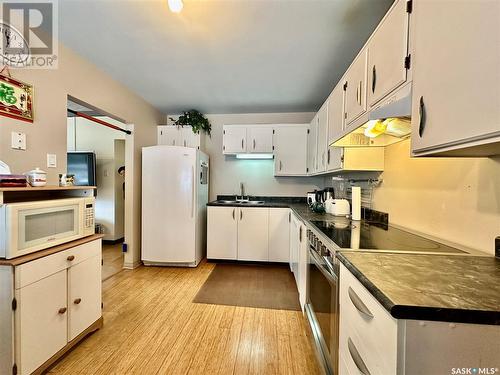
(248, 233)
(54, 299)
(298, 257)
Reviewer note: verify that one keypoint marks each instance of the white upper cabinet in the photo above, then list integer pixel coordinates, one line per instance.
(260, 139)
(171, 135)
(322, 142)
(234, 139)
(355, 89)
(312, 146)
(290, 150)
(387, 51)
(456, 77)
(335, 126)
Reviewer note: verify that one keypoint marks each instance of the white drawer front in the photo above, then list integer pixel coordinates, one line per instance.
(31, 272)
(371, 328)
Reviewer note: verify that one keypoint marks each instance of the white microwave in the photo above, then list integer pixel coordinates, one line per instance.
(32, 226)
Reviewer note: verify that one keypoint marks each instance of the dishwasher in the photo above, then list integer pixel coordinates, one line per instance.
(322, 308)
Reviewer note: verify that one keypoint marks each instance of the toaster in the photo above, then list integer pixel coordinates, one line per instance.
(339, 207)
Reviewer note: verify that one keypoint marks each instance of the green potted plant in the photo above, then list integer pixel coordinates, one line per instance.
(195, 119)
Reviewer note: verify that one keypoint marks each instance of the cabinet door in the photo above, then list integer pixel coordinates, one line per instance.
(387, 50)
(312, 146)
(294, 248)
(260, 139)
(234, 139)
(322, 143)
(335, 126)
(355, 89)
(169, 136)
(290, 150)
(222, 232)
(41, 321)
(302, 264)
(189, 138)
(253, 234)
(84, 295)
(279, 235)
(456, 75)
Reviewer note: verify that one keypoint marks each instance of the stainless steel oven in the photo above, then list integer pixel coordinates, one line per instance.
(322, 307)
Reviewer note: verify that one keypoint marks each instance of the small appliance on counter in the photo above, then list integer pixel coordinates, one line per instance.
(311, 197)
(37, 177)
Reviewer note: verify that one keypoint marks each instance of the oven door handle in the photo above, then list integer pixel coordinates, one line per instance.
(332, 277)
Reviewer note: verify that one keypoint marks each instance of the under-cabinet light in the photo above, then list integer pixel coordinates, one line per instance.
(254, 156)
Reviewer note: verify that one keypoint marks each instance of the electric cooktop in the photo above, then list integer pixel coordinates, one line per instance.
(375, 236)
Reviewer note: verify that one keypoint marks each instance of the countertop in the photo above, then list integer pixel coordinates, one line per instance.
(450, 288)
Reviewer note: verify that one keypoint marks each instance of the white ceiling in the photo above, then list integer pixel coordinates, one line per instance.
(232, 56)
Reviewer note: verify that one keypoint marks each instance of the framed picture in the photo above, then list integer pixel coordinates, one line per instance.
(16, 99)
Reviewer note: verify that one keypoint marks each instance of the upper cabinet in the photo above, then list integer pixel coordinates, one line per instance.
(312, 146)
(355, 89)
(322, 142)
(172, 135)
(456, 78)
(234, 139)
(290, 150)
(260, 139)
(335, 125)
(388, 53)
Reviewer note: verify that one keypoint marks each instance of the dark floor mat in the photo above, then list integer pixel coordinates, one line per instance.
(249, 285)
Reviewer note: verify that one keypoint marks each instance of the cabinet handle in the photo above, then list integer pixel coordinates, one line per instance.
(254, 144)
(422, 115)
(281, 165)
(77, 301)
(358, 304)
(62, 310)
(71, 258)
(357, 94)
(374, 78)
(360, 89)
(242, 143)
(358, 361)
(184, 143)
(241, 215)
(300, 234)
(234, 209)
(328, 153)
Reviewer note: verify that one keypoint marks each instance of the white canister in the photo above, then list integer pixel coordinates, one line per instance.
(37, 177)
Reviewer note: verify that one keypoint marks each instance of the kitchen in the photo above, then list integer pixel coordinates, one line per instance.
(425, 189)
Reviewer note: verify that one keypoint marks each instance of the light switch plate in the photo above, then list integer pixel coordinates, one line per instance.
(18, 141)
(51, 161)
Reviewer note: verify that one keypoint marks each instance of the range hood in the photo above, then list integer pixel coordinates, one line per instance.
(385, 124)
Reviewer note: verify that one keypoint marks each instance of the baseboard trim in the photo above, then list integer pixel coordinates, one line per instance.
(131, 266)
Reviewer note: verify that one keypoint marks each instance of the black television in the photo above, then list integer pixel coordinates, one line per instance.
(82, 165)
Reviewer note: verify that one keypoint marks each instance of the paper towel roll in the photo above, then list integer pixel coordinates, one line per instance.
(356, 203)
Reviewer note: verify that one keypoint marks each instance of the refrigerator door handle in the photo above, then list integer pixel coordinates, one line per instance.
(193, 179)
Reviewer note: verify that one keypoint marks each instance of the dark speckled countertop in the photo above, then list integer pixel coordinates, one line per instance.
(454, 288)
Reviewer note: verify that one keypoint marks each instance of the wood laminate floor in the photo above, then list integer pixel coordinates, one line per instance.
(151, 326)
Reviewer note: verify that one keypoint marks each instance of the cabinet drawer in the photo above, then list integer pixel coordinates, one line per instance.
(368, 325)
(31, 272)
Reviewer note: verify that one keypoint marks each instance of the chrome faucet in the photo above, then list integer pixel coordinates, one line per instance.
(242, 192)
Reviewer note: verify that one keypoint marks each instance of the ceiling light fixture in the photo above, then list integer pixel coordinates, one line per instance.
(175, 5)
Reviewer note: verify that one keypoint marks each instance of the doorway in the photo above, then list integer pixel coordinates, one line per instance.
(96, 137)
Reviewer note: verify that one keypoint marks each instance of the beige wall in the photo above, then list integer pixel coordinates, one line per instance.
(226, 172)
(456, 199)
(84, 81)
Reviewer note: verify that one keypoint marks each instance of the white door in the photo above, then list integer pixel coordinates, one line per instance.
(355, 89)
(387, 50)
(312, 146)
(321, 152)
(279, 235)
(290, 150)
(222, 232)
(335, 126)
(169, 135)
(41, 321)
(84, 295)
(253, 234)
(168, 204)
(260, 139)
(456, 75)
(234, 139)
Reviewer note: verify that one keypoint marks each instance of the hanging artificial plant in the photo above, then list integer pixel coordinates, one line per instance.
(194, 119)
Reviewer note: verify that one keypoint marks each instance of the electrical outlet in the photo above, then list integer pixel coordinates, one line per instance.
(18, 141)
(51, 161)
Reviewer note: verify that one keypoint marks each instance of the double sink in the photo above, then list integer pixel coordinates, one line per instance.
(240, 202)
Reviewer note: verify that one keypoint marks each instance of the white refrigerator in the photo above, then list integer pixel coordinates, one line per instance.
(174, 199)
